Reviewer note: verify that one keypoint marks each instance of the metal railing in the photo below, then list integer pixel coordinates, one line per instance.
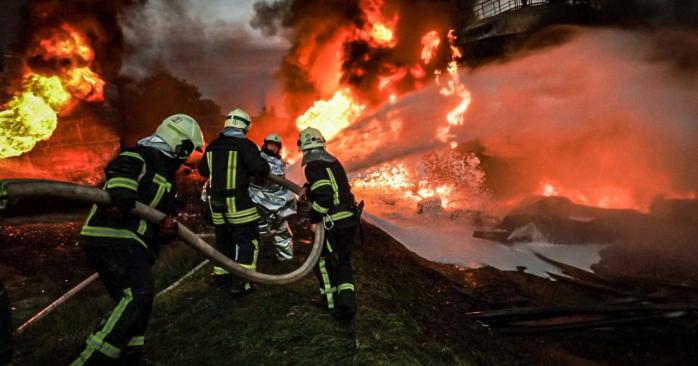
(488, 8)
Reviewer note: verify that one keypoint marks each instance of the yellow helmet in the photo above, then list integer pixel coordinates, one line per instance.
(182, 133)
(310, 138)
(238, 119)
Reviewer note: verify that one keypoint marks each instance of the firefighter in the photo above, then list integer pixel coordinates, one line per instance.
(230, 162)
(275, 203)
(332, 205)
(122, 247)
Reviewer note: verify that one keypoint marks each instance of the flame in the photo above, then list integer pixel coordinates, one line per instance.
(453, 86)
(64, 43)
(382, 34)
(394, 179)
(32, 113)
(430, 42)
(455, 178)
(603, 196)
(378, 30)
(333, 115)
(85, 84)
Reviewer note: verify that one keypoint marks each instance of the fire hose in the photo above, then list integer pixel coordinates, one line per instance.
(12, 190)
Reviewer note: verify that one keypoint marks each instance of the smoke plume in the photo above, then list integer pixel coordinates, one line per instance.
(223, 58)
(327, 54)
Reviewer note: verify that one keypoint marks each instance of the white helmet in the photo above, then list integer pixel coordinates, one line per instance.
(273, 138)
(310, 138)
(238, 119)
(182, 133)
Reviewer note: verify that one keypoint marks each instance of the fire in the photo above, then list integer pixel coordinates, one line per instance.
(453, 86)
(382, 34)
(395, 180)
(32, 114)
(64, 43)
(549, 190)
(430, 42)
(603, 196)
(455, 178)
(85, 84)
(333, 115)
(379, 31)
(49, 89)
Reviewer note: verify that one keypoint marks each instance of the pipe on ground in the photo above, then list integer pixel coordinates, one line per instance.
(12, 190)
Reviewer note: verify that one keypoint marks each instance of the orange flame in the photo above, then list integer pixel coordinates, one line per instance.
(64, 43)
(601, 196)
(84, 84)
(378, 30)
(453, 86)
(430, 42)
(394, 179)
(333, 115)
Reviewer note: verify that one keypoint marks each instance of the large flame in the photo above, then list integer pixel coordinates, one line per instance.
(333, 115)
(449, 87)
(394, 179)
(32, 114)
(378, 121)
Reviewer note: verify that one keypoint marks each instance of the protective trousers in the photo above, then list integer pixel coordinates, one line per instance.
(5, 327)
(335, 273)
(241, 244)
(275, 229)
(125, 271)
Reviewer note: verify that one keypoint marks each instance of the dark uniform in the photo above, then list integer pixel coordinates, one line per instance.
(5, 327)
(230, 163)
(122, 248)
(332, 204)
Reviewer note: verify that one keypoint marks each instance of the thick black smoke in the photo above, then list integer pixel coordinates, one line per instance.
(655, 12)
(97, 19)
(308, 25)
(221, 57)
(313, 28)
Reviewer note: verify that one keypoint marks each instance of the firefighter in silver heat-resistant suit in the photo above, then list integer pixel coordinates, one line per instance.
(274, 202)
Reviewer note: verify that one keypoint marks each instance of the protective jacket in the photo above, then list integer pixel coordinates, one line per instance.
(141, 174)
(229, 163)
(271, 196)
(111, 244)
(330, 193)
(276, 204)
(333, 203)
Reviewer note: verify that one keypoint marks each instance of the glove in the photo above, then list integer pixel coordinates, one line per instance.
(168, 229)
(303, 195)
